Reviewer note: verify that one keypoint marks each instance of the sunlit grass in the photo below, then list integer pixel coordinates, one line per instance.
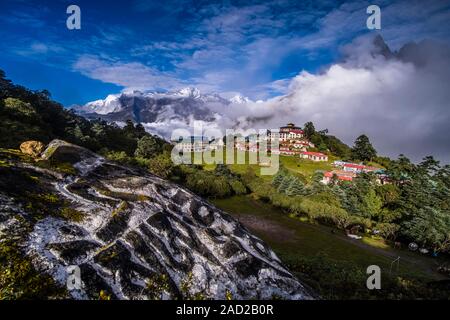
(301, 239)
(375, 242)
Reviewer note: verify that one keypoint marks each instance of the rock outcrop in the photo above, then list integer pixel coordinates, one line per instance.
(135, 236)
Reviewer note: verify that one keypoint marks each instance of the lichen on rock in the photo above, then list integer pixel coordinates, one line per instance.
(137, 236)
(32, 148)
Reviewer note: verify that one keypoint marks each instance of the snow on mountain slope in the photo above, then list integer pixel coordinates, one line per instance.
(161, 112)
(238, 99)
(109, 105)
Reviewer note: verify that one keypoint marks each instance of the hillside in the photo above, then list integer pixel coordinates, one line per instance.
(33, 115)
(333, 264)
(133, 235)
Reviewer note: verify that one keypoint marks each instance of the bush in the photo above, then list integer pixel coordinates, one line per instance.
(148, 147)
(208, 184)
(238, 187)
(161, 165)
(119, 156)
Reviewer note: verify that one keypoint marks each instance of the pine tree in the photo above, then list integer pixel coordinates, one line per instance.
(317, 186)
(284, 185)
(296, 188)
(278, 178)
(363, 149)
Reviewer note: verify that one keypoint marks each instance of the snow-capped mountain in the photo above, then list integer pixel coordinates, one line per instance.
(238, 99)
(160, 112)
(108, 105)
(189, 93)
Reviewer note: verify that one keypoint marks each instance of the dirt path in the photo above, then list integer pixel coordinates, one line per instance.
(275, 231)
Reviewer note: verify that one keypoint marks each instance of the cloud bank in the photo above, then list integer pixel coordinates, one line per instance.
(400, 100)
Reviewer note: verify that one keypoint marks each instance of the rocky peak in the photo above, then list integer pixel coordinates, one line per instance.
(189, 92)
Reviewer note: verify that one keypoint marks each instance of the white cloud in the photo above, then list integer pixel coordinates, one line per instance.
(402, 106)
(131, 75)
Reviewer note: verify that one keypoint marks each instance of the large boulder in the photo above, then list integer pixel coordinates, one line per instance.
(62, 151)
(32, 148)
(139, 236)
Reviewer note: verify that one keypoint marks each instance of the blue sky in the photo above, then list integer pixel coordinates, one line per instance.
(248, 47)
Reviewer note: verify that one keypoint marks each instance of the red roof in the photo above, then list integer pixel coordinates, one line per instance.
(317, 154)
(340, 176)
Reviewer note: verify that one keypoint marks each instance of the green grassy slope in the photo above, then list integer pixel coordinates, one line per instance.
(293, 239)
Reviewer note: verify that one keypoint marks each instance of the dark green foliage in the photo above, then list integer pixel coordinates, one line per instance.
(325, 142)
(220, 183)
(278, 178)
(363, 149)
(207, 184)
(238, 187)
(430, 227)
(285, 183)
(424, 201)
(223, 170)
(161, 165)
(147, 147)
(309, 130)
(32, 115)
(383, 161)
(296, 188)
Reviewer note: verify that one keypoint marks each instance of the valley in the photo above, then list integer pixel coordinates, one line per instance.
(294, 241)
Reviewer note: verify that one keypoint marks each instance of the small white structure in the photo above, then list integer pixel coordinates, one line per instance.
(287, 151)
(192, 144)
(314, 156)
(354, 167)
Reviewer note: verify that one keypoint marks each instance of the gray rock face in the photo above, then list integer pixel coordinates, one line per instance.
(137, 227)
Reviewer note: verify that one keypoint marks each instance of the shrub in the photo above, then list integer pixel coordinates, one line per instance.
(238, 187)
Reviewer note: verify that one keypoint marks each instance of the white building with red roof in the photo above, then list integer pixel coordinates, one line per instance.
(314, 156)
(287, 133)
(354, 167)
